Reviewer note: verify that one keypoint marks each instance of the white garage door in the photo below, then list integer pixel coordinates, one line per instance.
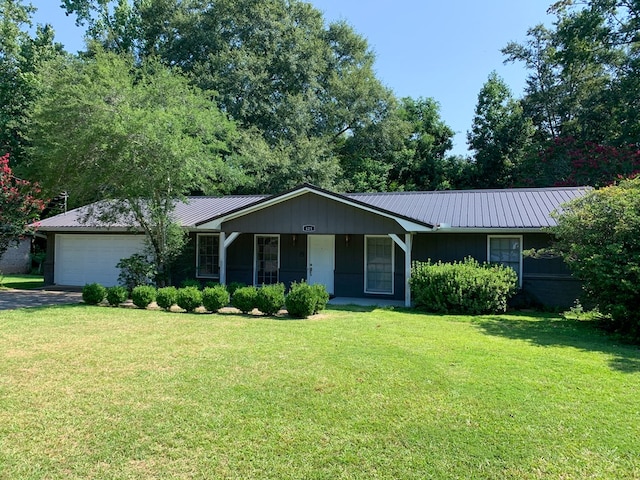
(82, 259)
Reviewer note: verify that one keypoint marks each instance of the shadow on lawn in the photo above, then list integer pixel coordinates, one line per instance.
(555, 331)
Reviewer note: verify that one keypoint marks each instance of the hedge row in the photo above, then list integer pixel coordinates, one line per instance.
(303, 299)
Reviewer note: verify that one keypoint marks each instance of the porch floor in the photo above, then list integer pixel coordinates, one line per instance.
(366, 302)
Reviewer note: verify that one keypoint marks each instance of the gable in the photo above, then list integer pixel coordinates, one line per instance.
(325, 214)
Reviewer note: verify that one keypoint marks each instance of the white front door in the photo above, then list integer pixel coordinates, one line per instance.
(321, 255)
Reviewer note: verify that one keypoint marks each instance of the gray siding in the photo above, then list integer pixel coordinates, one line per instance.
(327, 215)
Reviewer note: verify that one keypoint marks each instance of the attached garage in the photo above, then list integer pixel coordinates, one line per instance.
(82, 259)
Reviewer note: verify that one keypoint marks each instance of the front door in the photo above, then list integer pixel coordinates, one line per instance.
(321, 260)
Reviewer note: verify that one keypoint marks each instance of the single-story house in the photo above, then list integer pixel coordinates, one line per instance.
(356, 244)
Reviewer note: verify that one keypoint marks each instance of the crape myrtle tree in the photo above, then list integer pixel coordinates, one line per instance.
(597, 235)
(582, 90)
(20, 206)
(137, 137)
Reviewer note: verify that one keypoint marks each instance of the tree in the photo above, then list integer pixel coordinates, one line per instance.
(20, 58)
(20, 206)
(278, 71)
(500, 135)
(139, 138)
(597, 235)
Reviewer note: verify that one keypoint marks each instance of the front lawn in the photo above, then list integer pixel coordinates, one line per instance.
(95, 392)
(21, 281)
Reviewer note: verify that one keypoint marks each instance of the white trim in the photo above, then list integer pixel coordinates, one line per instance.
(255, 254)
(198, 274)
(393, 265)
(489, 237)
(406, 224)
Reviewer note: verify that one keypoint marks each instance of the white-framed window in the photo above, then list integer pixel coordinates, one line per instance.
(507, 250)
(267, 259)
(378, 264)
(208, 255)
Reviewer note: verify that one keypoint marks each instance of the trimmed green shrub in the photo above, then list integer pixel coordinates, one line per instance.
(233, 286)
(167, 297)
(465, 287)
(214, 298)
(116, 295)
(270, 298)
(143, 295)
(189, 298)
(245, 299)
(301, 300)
(93, 293)
(322, 297)
(211, 284)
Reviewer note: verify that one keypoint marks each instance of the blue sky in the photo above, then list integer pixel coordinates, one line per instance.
(424, 48)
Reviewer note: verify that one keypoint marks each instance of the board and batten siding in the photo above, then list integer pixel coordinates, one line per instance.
(326, 215)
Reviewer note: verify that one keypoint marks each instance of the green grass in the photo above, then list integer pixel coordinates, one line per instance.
(95, 392)
(21, 281)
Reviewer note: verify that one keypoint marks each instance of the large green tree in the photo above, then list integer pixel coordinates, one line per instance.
(278, 70)
(500, 135)
(139, 138)
(21, 54)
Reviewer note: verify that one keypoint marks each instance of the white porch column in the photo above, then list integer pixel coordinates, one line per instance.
(408, 240)
(406, 247)
(222, 261)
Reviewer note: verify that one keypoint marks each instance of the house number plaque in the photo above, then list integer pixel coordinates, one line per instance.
(308, 228)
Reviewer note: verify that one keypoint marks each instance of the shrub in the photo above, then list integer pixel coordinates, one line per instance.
(116, 295)
(143, 295)
(465, 287)
(211, 284)
(302, 300)
(191, 282)
(322, 297)
(167, 297)
(270, 298)
(136, 270)
(244, 299)
(233, 286)
(597, 235)
(214, 298)
(93, 293)
(189, 298)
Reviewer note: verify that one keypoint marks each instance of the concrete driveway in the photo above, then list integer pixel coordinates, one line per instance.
(12, 299)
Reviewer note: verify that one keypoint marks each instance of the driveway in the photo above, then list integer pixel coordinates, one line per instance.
(11, 299)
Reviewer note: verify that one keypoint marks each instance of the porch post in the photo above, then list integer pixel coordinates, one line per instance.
(407, 269)
(406, 248)
(222, 259)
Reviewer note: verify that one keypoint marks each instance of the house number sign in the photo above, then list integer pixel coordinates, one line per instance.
(308, 228)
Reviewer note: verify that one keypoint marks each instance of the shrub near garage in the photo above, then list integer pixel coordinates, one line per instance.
(117, 295)
(143, 295)
(270, 298)
(214, 298)
(93, 293)
(167, 297)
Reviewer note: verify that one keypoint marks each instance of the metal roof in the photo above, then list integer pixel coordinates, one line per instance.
(477, 209)
(458, 209)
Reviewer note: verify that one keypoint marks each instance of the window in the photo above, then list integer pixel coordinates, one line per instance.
(267, 259)
(507, 250)
(207, 262)
(378, 274)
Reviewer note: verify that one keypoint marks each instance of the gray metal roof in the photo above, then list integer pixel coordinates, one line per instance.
(477, 209)
(460, 209)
